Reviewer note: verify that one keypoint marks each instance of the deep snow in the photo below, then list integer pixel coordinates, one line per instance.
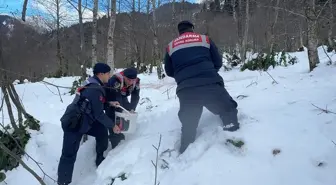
(273, 116)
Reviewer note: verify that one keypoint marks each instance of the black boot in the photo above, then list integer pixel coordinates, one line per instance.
(230, 121)
(115, 139)
(231, 127)
(62, 183)
(100, 158)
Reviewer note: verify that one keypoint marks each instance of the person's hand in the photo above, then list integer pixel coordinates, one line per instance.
(116, 129)
(114, 103)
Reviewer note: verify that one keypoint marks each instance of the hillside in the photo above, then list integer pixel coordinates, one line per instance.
(287, 140)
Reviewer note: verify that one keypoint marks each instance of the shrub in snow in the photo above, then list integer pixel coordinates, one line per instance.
(264, 61)
(230, 61)
(15, 140)
(237, 142)
(75, 85)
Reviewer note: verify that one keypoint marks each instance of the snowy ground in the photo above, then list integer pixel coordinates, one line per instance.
(273, 116)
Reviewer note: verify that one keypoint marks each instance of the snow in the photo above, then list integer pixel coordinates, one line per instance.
(273, 116)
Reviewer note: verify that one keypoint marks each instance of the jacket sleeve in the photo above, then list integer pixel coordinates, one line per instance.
(216, 57)
(135, 96)
(113, 93)
(96, 98)
(168, 65)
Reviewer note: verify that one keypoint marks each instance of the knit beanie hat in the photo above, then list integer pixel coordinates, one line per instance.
(130, 73)
(101, 68)
(185, 26)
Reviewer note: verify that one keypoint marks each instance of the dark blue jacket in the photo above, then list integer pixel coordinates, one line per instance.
(117, 91)
(93, 92)
(193, 60)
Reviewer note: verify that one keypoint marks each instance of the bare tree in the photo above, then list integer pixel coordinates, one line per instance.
(272, 30)
(312, 31)
(244, 39)
(54, 9)
(110, 45)
(82, 57)
(156, 58)
(94, 32)
(24, 10)
(331, 24)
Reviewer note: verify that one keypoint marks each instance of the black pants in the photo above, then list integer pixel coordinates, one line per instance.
(215, 98)
(113, 137)
(71, 142)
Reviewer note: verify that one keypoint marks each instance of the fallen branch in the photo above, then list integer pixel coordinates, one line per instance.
(252, 83)
(324, 110)
(24, 165)
(274, 81)
(167, 91)
(59, 93)
(330, 61)
(240, 97)
(157, 159)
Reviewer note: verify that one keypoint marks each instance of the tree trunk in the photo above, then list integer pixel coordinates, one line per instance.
(272, 38)
(110, 45)
(301, 35)
(173, 19)
(4, 89)
(58, 47)
(156, 59)
(82, 58)
(133, 5)
(312, 31)
(94, 33)
(108, 8)
(246, 31)
(182, 10)
(24, 10)
(331, 42)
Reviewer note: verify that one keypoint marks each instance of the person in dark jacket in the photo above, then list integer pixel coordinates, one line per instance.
(85, 115)
(119, 87)
(193, 61)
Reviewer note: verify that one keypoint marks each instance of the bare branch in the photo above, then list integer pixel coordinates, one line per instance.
(252, 83)
(59, 93)
(274, 81)
(319, 14)
(24, 165)
(284, 9)
(324, 110)
(330, 60)
(73, 5)
(156, 160)
(25, 153)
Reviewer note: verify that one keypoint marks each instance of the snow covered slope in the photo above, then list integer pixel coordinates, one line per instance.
(275, 117)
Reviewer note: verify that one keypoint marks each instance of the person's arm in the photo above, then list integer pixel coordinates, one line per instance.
(168, 65)
(96, 97)
(135, 96)
(216, 57)
(114, 90)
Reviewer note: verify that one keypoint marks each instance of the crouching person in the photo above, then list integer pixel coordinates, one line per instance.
(119, 87)
(85, 115)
